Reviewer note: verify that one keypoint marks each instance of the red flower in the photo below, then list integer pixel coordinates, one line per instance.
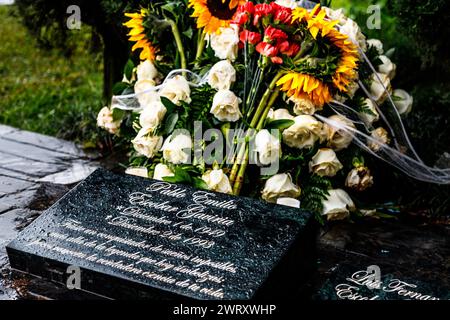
(275, 6)
(243, 13)
(276, 60)
(283, 46)
(283, 15)
(261, 10)
(252, 37)
(247, 7)
(288, 49)
(240, 18)
(275, 34)
(266, 49)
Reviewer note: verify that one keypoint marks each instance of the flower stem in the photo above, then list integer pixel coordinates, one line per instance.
(200, 47)
(272, 100)
(240, 166)
(179, 42)
(265, 99)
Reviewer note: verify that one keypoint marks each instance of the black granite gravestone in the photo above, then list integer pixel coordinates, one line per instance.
(378, 282)
(128, 237)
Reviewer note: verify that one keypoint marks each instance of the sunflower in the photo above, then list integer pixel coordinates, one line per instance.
(137, 34)
(304, 85)
(214, 14)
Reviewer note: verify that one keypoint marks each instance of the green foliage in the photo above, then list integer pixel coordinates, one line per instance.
(187, 174)
(314, 192)
(45, 91)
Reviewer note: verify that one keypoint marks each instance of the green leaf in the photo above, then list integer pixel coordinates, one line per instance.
(188, 33)
(117, 114)
(280, 124)
(120, 87)
(180, 176)
(170, 106)
(200, 184)
(128, 70)
(170, 123)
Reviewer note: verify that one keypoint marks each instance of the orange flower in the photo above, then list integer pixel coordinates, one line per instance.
(137, 34)
(214, 14)
(303, 85)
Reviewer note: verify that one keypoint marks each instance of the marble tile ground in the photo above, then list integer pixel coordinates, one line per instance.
(35, 171)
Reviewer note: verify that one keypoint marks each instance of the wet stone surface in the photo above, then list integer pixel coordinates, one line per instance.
(413, 260)
(413, 252)
(35, 171)
(142, 238)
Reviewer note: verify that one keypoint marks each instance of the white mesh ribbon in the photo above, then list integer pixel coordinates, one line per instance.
(131, 102)
(402, 154)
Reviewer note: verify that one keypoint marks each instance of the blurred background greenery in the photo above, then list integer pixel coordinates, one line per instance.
(55, 80)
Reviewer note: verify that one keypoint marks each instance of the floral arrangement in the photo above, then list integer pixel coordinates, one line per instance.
(255, 98)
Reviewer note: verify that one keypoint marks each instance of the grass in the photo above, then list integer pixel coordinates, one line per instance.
(43, 90)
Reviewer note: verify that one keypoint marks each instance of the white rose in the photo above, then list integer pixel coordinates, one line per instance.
(351, 91)
(176, 90)
(145, 144)
(387, 67)
(368, 118)
(129, 81)
(381, 137)
(287, 3)
(225, 106)
(325, 163)
(152, 115)
(336, 15)
(145, 91)
(377, 44)
(161, 171)
(146, 71)
(289, 202)
(106, 121)
(359, 179)
(303, 133)
(137, 171)
(177, 149)
(403, 101)
(352, 30)
(222, 75)
(304, 106)
(225, 42)
(268, 147)
(379, 90)
(280, 186)
(217, 181)
(337, 137)
(280, 114)
(338, 205)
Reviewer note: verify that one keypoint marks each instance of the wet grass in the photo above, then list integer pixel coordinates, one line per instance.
(45, 91)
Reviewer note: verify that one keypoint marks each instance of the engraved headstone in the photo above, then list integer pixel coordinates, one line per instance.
(378, 282)
(127, 237)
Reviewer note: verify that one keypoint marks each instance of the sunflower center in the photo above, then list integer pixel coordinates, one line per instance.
(220, 9)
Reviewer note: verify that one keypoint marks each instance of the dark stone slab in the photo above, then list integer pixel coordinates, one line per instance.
(412, 252)
(350, 282)
(140, 238)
